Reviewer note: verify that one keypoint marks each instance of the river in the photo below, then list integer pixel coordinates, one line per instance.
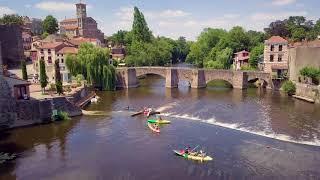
(251, 134)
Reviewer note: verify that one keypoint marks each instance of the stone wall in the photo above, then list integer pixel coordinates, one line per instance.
(12, 45)
(32, 112)
(308, 91)
(300, 57)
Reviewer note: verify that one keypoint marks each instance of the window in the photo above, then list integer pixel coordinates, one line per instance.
(49, 59)
(280, 47)
(272, 48)
(42, 58)
(41, 51)
(62, 61)
(279, 58)
(271, 58)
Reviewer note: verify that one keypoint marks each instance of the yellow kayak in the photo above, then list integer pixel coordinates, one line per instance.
(197, 158)
(159, 121)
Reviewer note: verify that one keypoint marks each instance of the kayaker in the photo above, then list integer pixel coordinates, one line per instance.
(202, 153)
(187, 150)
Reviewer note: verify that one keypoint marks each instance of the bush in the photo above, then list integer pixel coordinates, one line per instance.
(61, 116)
(289, 87)
(311, 72)
(248, 68)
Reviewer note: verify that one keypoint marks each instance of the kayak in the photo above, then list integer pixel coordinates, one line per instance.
(198, 158)
(152, 113)
(159, 121)
(137, 113)
(151, 126)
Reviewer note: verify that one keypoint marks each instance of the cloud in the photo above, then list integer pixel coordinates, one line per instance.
(276, 16)
(6, 10)
(54, 6)
(282, 2)
(27, 6)
(169, 13)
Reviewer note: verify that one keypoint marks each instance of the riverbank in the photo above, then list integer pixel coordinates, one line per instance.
(38, 111)
(308, 92)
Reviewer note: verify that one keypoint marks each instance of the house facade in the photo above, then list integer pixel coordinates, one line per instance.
(49, 52)
(276, 56)
(241, 59)
(81, 25)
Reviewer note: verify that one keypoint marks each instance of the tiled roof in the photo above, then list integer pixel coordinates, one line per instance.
(80, 40)
(71, 27)
(50, 45)
(244, 51)
(69, 20)
(276, 39)
(68, 50)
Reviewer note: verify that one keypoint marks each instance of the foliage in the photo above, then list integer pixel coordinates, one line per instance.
(295, 28)
(11, 19)
(52, 87)
(50, 24)
(93, 63)
(79, 78)
(140, 30)
(255, 54)
(58, 81)
(119, 38)
(61, 116)
(43, 75)
(311, 72)
(44, 35)
(248, 68)
(214, 47)
(289, 87)
(24, 70)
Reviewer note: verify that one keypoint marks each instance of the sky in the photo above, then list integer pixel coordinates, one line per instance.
(171, 18)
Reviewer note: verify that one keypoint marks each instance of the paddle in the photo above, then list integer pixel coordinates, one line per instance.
(194, 148)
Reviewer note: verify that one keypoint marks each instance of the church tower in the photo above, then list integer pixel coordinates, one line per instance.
(81, 14)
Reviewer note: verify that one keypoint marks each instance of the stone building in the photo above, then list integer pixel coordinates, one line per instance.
(118, 53)
(12, 45)
(82, 25)
(34, 24)
(26, 40)
(276, 56)
(49, 52)
(301, 55)
(241, 59)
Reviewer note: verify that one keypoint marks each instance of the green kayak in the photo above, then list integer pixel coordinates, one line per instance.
(159, 121)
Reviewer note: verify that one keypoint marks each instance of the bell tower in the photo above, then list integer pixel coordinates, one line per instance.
(81, 13)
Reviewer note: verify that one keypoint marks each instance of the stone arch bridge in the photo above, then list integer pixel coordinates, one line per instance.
(198, 78)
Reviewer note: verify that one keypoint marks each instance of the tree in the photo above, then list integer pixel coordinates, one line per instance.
(11, 19)
(298, 34)
(93, 63)
(255, 54)
(50, 25)
(140, 30)
(58, 81)
(317, 28)
(289, 87)
(277, 28)
(119, 37)
(24, 70)
(43, 76)
(239, 39)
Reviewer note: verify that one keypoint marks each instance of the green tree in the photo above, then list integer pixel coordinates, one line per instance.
(289, 87)
(43, 76)
(50, 24)
(140, 30)
(317, 28)
(11, 19)
(277, 28)
(24, 70)
(93, 63)
(298, 34)
(58, 81)
(119, 38)
(255, 54)
(239, 40)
